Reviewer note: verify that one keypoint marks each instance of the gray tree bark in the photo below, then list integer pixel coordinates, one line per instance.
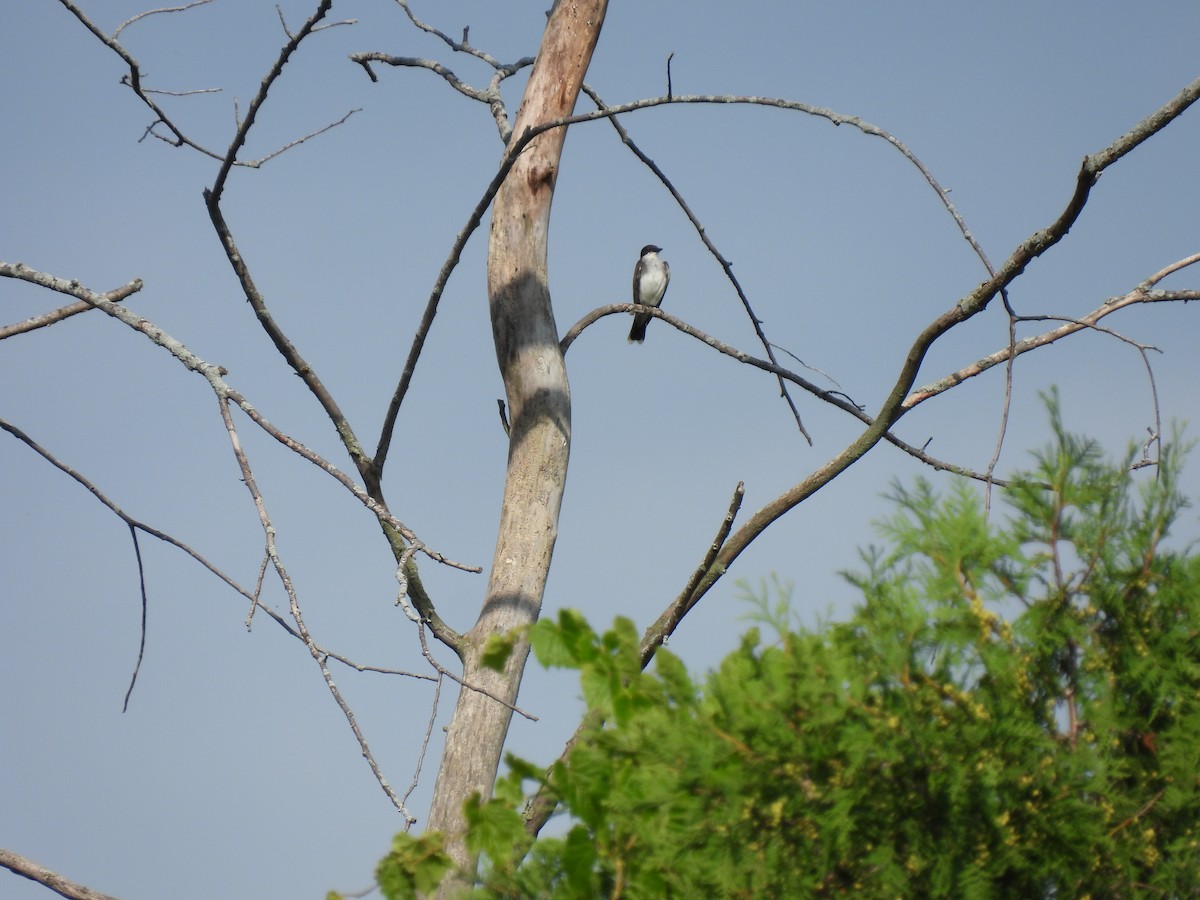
(539, 402)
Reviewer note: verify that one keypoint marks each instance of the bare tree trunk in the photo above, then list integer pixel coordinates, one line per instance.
(539, 402)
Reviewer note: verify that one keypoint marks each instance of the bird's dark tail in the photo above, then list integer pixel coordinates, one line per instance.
(637, 333)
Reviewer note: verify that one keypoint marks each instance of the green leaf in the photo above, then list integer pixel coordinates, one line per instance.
(415, 865)
(567, 643)
(495, 829)
(496, 651)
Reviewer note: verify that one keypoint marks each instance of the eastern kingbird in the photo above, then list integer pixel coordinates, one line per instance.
(650, 278)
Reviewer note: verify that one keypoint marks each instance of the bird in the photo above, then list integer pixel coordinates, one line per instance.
(650, 278)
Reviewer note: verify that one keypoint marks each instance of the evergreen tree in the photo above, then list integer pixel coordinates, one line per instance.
(1013, 710)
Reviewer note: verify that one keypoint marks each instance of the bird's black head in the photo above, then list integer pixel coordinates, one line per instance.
(650, 248)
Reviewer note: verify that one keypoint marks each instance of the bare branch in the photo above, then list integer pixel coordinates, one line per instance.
(1111, 305)
(137, 524)
(490, 95)
(457, 46)
(134, 80)
(72, 309)
(213, 375)
(153, 12)
(190, 93)
(442, 670)
(283, 23)
(541, 807)
(412, 62)
(835, 398)
(968, 306)
(1013, 352)
(656, 635)
(294, 605)
(262, 160)
(725, 264)
(1169, 270)
(433, 711)
(300, 631)
(27, 868)
(283, 344)
(116, 510)
(176, 136)
(435, 297)
(239, 139)
(137, 552)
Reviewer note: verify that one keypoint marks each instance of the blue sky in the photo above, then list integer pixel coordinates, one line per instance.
(233, 772)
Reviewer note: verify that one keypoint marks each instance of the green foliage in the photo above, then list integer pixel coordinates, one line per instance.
(497, 650)
(1012, 711)
(415, 865)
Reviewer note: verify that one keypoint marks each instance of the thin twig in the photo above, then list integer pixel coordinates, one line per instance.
(153, 12)
(725, 264)
(137, 552)
(115, 509)
(656, 635)
(1005, 407)
(834, 398)
(214, 376)
(239, 139)
(188, 93)
(71, 309)
(457, 46)
(490, 95)
(965, 308)
(435, 297)
(176, 136)
(366, 58)
(294, 606)
(1024, 345)
(458, 679)
(433, 712)
(254, 164)
(283, 344)
(252, 596)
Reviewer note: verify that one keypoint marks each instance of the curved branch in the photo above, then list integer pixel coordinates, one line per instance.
(510, 158)
(365, 59)
(1070, 326)
(490, 95)
(153, 12)
(286, 348)
(198, 557)
(177, 137)
(724, 263)
(968, 306)
(213, 375)
(834, 398)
